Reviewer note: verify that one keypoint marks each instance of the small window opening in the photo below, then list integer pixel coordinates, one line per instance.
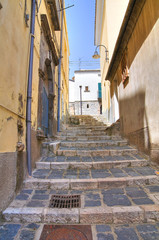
(86, 89)
(87, 105)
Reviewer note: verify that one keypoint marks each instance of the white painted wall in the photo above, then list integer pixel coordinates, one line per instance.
(71, 91)
(89, 78)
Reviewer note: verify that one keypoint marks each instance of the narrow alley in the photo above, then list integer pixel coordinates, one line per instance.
(79, 120)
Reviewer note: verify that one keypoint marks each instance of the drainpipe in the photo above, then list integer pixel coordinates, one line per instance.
(29, 90)
(59, 72)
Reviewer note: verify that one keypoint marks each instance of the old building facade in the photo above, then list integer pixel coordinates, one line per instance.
(15, 67)
(85, 93)
(133, 69)
(108, 20)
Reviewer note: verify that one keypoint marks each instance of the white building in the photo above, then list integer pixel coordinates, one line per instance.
(85, 93)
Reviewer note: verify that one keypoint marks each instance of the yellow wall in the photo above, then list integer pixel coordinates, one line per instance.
(65, 70)
(113, 14)
(14, 48)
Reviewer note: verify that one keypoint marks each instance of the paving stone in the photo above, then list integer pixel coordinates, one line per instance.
(26, 235)
(103, 228)
(71, 174)
(153, 189)
(22, 197)
(100, 173)
(147, 228)
(56, 174)
(84, 174)
(37, 191)
(86, 159)
(40, 197)
(150, 236)
(113, 191)
(73, 159)
(92, 203)
(126, 234)
(33, 226)
(9, 231)
(116, 200)
(113, 158)
(98, 159)
(50, 159)
(27, 191)
(41, 172)
(120, 175)
(130, 189)
(138, 156)
(36, 204)
(60, 159)
(115, 170)
(141, 201)
(102, 236)
(145, 171)
(76, 192)
(128, 157)
(137, 194)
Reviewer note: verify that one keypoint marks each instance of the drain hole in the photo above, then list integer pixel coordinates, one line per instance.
(65, 201)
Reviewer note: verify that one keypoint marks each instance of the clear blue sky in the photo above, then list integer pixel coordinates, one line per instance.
(80, 23)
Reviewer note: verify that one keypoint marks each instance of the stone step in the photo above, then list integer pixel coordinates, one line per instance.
(87, 127)
(96, 152)
(91, 165)
(92, 144)
(88, 184)
(87, 138)
(117, 205)
(83, 132)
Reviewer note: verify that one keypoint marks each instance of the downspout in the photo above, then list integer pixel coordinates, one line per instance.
(59, 71)
(29, 90)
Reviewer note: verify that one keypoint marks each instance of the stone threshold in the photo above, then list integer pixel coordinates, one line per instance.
(99, 215)
(92, 165)
(86, 184)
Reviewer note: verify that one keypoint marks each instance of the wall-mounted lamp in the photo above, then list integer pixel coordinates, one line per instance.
(96, 54)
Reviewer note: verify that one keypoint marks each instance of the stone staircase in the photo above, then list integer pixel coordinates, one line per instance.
(113, 182)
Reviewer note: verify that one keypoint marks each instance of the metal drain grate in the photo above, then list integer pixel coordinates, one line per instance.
(65, 201)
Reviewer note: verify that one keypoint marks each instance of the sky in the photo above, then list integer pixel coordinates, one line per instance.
(80, 24)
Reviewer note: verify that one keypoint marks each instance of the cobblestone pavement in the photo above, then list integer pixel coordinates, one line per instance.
(32, 231)
(90, 158)
(128, 196)
(93, 173)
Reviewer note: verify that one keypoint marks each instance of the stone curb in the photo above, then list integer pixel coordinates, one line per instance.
(91, 165)
(98, 215)
(85, 184)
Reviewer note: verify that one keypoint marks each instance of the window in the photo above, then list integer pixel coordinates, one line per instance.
(87, 105)
(86, 89)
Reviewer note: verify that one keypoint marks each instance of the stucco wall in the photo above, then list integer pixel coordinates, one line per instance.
(139, 100)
